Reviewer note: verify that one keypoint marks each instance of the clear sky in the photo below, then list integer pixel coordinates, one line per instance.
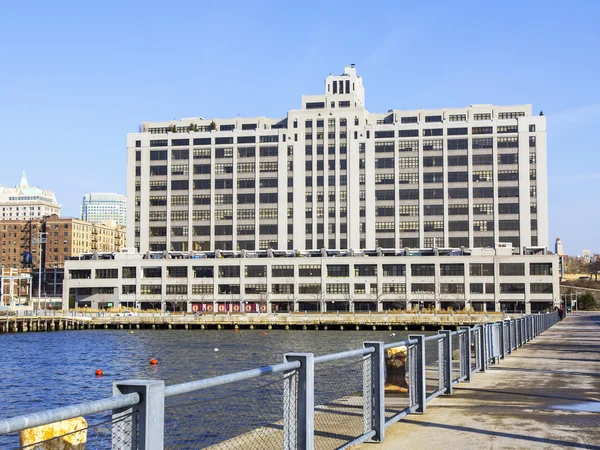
(77, 76)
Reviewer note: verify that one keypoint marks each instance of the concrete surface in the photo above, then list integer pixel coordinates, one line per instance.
(544, 395)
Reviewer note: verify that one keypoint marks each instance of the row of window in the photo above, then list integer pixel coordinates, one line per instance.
(315, 270)
(341, 289)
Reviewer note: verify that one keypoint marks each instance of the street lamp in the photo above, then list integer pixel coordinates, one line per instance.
(42, 240)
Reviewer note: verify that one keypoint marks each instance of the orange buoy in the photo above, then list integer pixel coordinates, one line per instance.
(235, 331)
(99, 373)
(265, 333)
(154, 361)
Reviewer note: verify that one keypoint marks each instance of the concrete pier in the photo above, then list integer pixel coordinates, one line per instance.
(546, 395)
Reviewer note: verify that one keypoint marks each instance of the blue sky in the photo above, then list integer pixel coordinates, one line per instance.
(76, 77)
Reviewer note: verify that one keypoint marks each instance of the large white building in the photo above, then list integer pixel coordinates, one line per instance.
(25, 202)
(376, 280)
(103, 207)
(334, 175)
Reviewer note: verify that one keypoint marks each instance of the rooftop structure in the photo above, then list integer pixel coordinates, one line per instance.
(25, 202)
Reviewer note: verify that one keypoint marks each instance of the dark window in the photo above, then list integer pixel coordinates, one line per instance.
(481, 270)
(249, 126)
(224, 140)
(508, 191)
(482, 143)
(433, 161)
(458, 225)
(409, 133)
(179, 185)
(203, 272)
(452, 270)
(158, 155)
(483, 160)
(510, 158)
(433, 118)
(476, 288)
(512, 288)
(384, 195)
(365, 270)
(138, 143)
(159, 143)
(457, 131)
(461, 160)
(512, 269)
(202, 141)
(158, 170)
(458, 193)
(246, 139)
(315, 105)
(201, 184)
(433, 210)
(541, 288)
(458, 144)
(338, 270)
(485, 192)
(410, 194)
(433, 193)
(268, 151)
(224, 184)
(413, 119)
(245, 198)
(384, 134)
(394, 270)
(433, 132)
(540, 269)
(422, 270)
(179, 142)
(458, 177)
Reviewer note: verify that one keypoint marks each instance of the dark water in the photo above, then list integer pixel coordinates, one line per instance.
(46, 370)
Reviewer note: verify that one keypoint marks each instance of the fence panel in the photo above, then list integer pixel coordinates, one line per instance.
(245, 414)
(342, 411)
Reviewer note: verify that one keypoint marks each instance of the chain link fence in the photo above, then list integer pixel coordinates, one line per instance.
(241, 415)
(340, 401)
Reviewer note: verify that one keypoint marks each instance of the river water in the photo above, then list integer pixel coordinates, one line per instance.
(47, 370)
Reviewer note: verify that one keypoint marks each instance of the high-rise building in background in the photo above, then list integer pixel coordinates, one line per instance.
(25, 202)
(558, 247)
(100, 207)
(334, 175)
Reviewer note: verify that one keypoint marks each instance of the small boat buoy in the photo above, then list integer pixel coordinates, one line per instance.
(216, 349)
(131, 332)
(393, 334)
(235, 331)
(265, 333)
(154, 361)
(99, 373)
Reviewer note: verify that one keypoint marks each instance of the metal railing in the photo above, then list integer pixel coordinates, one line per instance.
(307, 402)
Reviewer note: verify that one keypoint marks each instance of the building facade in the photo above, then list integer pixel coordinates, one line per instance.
(102, 207)
(25, 202)
(481, 279)
(333, 175)
(65, 238)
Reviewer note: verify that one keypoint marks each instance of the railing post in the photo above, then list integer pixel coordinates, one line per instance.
(467, 350)
(141, 426)
(501, 339)
(420, 393)
(448, 360)
(376, 390)
(301, 435)
(483, 346)
(508, 323)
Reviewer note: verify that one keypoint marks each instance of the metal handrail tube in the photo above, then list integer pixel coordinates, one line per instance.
(405, 343)
(343, 355)
(191, 386)
(434, 337)
(435, 394)
(457, 332)
(25, 421)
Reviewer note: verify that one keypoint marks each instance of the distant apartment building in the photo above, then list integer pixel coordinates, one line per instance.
(25, 202)
(334, 175)
(102, 207)
(65, 238)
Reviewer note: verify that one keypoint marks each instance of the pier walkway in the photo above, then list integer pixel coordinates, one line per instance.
(546, 395)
